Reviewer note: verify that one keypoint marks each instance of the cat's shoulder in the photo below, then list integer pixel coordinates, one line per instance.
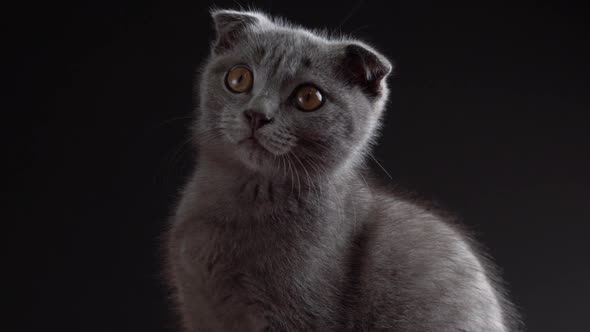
(398, 209)
(431, 259)
(417, 236)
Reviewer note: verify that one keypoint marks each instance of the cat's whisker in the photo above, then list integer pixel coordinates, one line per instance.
(212, 133)
(285, 135)
(296, 174)
(364, 180)
(381, 166)
(284, 166)
(284, 159)
(310, 183)
(292, 173)
(210, 136)
(318, 174)
(339, 203)
(317, 143)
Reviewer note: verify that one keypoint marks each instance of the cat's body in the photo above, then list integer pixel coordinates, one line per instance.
(286, 232)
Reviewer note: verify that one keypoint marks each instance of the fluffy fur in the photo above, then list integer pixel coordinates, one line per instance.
(290, 233)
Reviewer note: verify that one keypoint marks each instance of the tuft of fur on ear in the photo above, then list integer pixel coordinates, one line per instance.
(229, 26)
(365, 67)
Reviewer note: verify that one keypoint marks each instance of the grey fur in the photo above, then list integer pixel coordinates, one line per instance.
(298, 237)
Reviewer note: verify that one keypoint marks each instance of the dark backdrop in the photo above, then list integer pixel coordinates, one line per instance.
(488, 117)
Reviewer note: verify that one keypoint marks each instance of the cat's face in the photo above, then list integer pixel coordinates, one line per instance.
(278, 99)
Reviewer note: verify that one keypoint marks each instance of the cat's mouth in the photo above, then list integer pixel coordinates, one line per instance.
(253, 152)
(251, 142)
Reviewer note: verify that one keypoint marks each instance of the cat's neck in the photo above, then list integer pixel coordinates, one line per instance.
(234, 186)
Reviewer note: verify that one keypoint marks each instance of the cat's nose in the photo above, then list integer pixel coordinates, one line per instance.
(257, 119)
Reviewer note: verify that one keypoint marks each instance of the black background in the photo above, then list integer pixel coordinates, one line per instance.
(488, 117)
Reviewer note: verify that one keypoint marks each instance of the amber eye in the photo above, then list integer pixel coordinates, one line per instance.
(239, 79)
(308, 98)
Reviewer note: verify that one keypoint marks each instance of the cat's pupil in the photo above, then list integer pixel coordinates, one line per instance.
(309, 98)
(239, 79)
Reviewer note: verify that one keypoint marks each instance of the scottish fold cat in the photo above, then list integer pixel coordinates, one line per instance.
(282, 227)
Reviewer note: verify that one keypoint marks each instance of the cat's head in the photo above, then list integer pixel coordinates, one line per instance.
(274, 97)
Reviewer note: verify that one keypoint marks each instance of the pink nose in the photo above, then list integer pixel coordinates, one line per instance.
(257, 119)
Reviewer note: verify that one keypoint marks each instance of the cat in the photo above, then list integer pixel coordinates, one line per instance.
(281, 226)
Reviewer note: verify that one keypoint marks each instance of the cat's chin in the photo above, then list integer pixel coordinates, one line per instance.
(254, 155)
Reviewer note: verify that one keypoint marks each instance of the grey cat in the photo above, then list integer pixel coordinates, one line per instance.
(281, 228)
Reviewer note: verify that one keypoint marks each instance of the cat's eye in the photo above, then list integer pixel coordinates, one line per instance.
(308, 98)
(239, 79)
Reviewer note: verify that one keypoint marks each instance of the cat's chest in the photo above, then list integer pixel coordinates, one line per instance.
(249, 259)
(243, 273)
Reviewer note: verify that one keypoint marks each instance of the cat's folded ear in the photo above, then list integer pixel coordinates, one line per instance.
(229, 27)
(364, 67)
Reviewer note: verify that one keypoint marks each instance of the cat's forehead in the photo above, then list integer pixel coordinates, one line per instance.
(287, 51)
